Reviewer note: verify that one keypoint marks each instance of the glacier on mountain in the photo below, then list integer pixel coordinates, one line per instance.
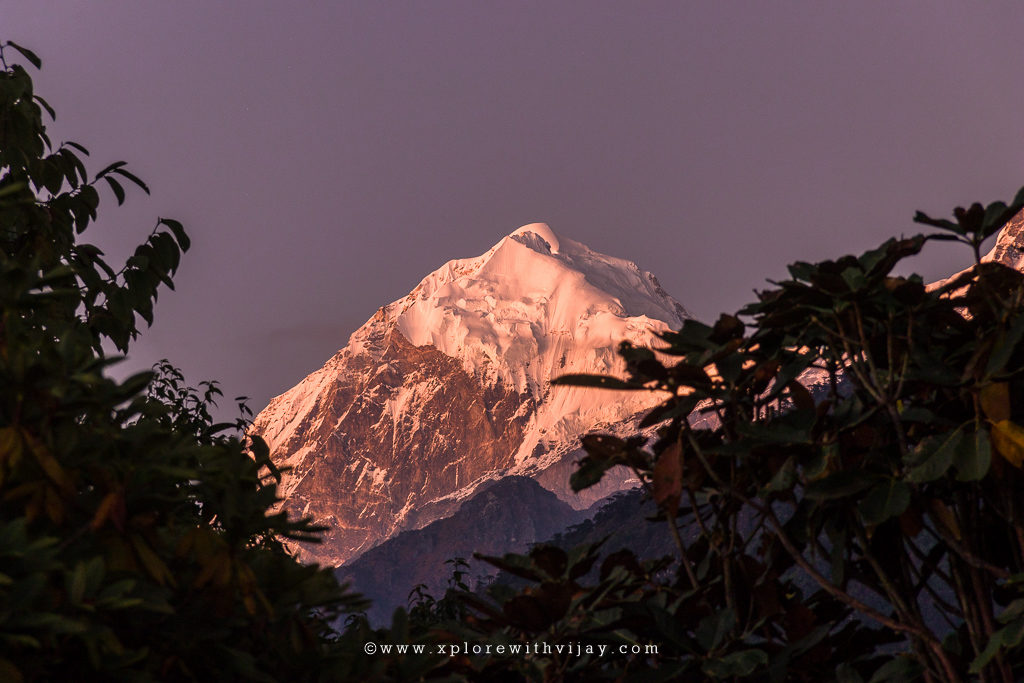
(449, 387)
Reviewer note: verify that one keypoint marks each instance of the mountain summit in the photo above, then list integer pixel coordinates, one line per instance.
(533, 299)
(449, 388)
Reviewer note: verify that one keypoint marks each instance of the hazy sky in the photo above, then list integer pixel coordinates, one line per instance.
(325, 156)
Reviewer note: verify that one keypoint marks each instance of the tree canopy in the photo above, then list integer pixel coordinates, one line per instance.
(136, 539)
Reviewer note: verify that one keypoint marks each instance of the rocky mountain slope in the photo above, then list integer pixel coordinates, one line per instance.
(504, 516)
(449, 388)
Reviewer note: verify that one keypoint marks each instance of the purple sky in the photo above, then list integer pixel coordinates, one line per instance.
(325, 156)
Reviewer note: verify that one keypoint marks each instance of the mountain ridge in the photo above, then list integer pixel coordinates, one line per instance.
(507, 515)
(449, 387)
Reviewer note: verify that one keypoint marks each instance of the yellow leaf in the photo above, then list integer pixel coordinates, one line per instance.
(187, 542)
(49, 464)
(214, 567)
(112, 507)
(9, 672)
(995, 401)
(119, 554)
(54, 505)
(152, 562)
(668, 478)
(10, 446)
(1008, 439)
(225, 571)
(250, 605)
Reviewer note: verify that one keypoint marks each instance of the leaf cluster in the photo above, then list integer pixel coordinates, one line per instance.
(138, 539)
(852, 439)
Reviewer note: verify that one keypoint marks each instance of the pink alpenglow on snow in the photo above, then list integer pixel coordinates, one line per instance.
(449, 387)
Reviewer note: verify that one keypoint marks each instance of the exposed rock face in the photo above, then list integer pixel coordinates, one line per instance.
(370, 468)
(449, 388)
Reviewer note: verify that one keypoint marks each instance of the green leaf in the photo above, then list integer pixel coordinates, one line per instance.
(179, 232)
(76, 583)
(117, 189)
(845, 673)
(974, 457)
(854, 278)
(551, 559)
(727, 328)
(517, 565)
(1013, 633)
(986, 655)
(918, 414)
(46, 105)
(1005, 346)
(868, 261)
(665, 624)
(132, 177)
(673, 407)
(245, 665)
(886, 500)
(742, 663)
(606, 446)
(1009, 637)
(27, 54)
(996, 216)
(589, 472)
(935, 455)
(137, 382)
(110, 168)
(801, 270)
(77, 146)
(688, 375)
(784, 479)
(713, 629)
(692, 336)
(899, 668)
(920, 217)
(839, 485)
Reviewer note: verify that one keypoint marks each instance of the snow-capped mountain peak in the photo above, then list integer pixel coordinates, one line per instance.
(533, 298)
(538, 236)
(449, 387)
